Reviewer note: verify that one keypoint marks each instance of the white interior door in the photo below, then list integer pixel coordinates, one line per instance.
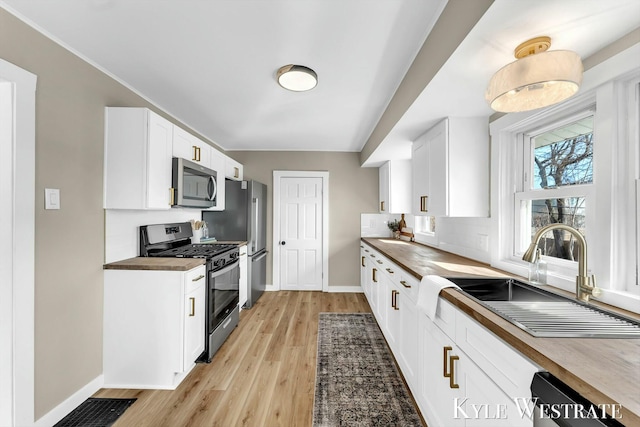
(300, 240)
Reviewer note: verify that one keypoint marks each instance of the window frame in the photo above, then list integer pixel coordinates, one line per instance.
(615, 140)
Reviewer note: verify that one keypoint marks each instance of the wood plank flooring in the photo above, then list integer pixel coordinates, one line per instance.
(263, 375)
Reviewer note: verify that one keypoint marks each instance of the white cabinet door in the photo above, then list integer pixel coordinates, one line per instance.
(383, 188)
(137, 161)
(437, 393)
(217, 163)
(420, 178)
(395, 187)
(194, 315)
(159, 162)
(244, 283)
(392, 320)
(364, 277)
(407, 338)
(234, 170)
(450, 164)
(188, 146)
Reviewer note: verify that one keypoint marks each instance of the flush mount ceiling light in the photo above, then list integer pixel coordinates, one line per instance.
(537, 78)
(297, 78)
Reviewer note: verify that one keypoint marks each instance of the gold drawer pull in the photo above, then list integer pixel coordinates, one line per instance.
(193, 307)
(445, 357)
(452, 381)
(403, 283)
(378, 261)
(236, 172)
(394, 299)
(390, 270)
(197, 278)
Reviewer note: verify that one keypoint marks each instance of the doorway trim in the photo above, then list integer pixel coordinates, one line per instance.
(17, 247)
(277, 175)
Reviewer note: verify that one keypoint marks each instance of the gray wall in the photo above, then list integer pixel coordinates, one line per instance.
(352, 190)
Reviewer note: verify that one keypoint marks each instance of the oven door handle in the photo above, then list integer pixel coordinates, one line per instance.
(225, 269)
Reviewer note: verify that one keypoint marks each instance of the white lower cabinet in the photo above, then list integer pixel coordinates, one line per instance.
(154, 326)
(460, 373)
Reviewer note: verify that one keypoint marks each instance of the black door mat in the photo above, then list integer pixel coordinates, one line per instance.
(96, 412)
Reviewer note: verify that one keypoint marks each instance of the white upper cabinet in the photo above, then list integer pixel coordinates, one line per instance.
(137, 161)
(191, 148)
(450, 165)
(395, 187)
(234, 169)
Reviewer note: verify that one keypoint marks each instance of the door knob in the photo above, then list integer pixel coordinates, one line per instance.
(283, 243)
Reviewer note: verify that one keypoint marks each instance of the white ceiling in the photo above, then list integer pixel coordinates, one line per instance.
(212, 63)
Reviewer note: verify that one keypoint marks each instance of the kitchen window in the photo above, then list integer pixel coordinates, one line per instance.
(425, 229)
(578, 163)
(556, 185)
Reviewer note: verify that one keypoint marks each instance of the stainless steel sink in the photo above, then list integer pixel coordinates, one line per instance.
(545, 314)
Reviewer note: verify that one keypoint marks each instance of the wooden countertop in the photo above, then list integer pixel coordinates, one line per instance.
(169, 264)
(153, 263)
(601, 370)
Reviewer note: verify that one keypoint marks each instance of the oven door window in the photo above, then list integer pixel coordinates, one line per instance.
(224, 294)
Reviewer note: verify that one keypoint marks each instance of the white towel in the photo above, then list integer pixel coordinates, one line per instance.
(430, 287)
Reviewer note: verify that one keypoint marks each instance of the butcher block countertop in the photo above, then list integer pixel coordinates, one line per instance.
(601, 370)
(153, 263)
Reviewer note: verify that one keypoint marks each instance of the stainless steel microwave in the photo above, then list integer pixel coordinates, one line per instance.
(193, 185)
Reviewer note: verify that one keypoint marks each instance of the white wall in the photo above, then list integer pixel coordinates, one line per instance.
(122, 229)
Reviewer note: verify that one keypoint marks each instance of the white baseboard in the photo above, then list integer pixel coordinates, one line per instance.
(71, 403)
(349, 289)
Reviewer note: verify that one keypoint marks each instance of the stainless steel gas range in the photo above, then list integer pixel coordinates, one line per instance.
(223, 276)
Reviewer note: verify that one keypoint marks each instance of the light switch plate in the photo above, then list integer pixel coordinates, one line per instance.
(52, 198)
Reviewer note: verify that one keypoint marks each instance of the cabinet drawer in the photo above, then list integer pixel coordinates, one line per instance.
(194, 278)
(409, 285)
(446, 318)
(509, 369)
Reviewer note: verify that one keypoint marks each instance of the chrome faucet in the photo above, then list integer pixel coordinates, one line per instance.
(585, 285)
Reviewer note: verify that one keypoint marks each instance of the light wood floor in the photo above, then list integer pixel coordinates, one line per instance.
(263, 375)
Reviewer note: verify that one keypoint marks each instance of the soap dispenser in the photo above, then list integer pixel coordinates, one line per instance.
(538, 270)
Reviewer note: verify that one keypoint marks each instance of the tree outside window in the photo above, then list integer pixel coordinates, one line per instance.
(561, 158)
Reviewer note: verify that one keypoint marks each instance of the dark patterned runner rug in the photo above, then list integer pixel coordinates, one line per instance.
(357, 382)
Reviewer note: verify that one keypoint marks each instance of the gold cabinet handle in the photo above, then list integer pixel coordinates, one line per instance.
(445, 358)
(236, 172)
(198, 278)
(378, 261)
(382, 206)
(193, 307)
(423, 204)
(394, 299)
(452, 380)
(363, 261)
(390, 271)
(373, 273)
(172, 196)
(366, 250)
(404, 283)
(195, 153)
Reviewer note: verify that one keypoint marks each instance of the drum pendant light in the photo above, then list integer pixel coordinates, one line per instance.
(538, 78)
(297, 78)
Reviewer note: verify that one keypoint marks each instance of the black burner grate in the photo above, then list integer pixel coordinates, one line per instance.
(197, 250)
(96, 412)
